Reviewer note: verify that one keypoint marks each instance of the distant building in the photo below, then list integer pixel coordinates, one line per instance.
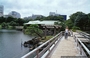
(5, 16)
(1, 10)
(52, 14)
(15, 14)
(55, 14)
(64, 16)
(35, 16)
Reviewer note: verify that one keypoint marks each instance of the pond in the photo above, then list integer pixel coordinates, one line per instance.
(11, 43)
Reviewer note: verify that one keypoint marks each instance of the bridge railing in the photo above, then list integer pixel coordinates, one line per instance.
(43, 50)
(83, 50)
(86, 35)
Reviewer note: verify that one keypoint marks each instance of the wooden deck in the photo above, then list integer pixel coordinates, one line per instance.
(73, 46)
(66, 47)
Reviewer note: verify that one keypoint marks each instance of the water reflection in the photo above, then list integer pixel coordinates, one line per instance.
(10, 43)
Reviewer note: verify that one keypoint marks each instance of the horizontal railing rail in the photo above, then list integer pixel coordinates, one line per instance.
(83, 50)
(44, 49)
(86, 35)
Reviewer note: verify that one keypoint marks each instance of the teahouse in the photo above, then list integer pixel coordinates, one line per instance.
(48, 27)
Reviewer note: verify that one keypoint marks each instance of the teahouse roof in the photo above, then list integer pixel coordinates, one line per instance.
(42, 22)
(51, 26)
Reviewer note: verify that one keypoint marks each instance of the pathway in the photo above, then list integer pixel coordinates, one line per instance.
(66, 47)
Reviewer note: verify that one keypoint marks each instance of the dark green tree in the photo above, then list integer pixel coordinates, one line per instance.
(9, 19)
(34, 30)
(2, 19)
(40, 18)
(79, 19)
(12, 23)
(75, 16)
(82, 21)
(62, 24)
(58, 18)
(88, 19)
(20, 21)
(69, 23)
(4, 25)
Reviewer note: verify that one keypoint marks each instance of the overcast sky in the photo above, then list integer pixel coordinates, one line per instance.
(43, 7)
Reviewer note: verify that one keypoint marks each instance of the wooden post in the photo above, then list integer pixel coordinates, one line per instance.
(54, 30)
(45, 31)
(37, 53)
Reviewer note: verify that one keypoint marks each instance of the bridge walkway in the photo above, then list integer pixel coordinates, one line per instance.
(66, 47)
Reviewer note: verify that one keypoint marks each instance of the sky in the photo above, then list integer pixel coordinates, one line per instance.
(43, 7)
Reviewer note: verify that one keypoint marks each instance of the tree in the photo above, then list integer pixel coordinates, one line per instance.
(9, 19)
(88, 19)
(19, 21)
(74, 16)
(40, 18)
(69, 23)
(79, 19)
(12, 23)
(2, 19)
(58, 18)
(4, 25)
(34, 30)
(62, 24)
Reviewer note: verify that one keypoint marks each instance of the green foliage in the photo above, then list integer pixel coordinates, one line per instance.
(0, 27)
(69, 23)
(2, 19)
(57, 23)
(80, 20)
(10, 21)
(47, 38)
(74, 28)
(58, 18)
(63, 26)
(74, 16)
(4, 25)
(34, 30)
(20, 21)
(40, 18)
(88, 21)
(11, 27)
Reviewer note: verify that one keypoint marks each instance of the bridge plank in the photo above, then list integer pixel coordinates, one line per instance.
(66, 47)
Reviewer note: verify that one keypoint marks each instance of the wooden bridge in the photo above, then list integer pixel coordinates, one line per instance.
(59, 47)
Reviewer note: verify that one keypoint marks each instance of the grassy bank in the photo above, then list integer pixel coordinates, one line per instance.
(47, 38)
(7, 27)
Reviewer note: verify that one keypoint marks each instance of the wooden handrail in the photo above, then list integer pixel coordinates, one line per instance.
(86, 35)
(87, 50)
(82, 46)
(46, 48)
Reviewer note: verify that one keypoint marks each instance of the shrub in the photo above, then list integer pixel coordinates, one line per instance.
(0, 27)
(74, 28)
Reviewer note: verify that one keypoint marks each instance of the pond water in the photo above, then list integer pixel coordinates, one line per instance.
(11, 43)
